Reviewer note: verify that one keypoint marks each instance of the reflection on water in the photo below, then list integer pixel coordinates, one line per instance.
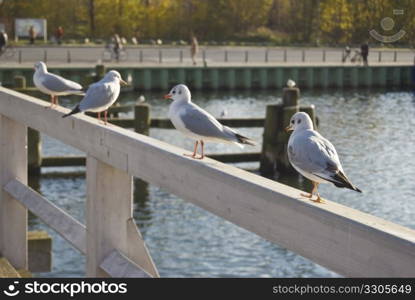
(372, 131)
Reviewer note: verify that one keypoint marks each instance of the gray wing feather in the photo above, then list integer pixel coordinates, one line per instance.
(202, 123)
(314, 154)
(97, 96)
(59, 84)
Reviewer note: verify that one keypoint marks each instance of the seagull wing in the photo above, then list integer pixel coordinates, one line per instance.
(98, 95)
(202, 123)
(311, 152)
(59, 84)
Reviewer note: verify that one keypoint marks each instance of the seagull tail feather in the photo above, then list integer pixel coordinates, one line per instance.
(340, 180)
(74, 111)
(244, 140)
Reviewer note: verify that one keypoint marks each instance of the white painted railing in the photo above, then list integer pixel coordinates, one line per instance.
(342, 239)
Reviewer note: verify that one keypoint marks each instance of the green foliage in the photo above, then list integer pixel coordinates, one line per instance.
(266, 21)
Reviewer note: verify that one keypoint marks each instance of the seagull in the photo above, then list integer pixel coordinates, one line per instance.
(291, 83)
(100, 95)
(314, 157)
(197, 123)
(54, 85)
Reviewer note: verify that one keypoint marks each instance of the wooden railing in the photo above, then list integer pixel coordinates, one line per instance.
(342, 239)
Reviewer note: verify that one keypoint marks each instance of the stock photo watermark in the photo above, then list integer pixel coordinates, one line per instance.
(388, 24)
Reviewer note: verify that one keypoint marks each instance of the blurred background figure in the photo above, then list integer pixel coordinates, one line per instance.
(364, 51)
(3, 41)
(346, 54)
(117, 46)
(32, 34)
(59, 35)
(194, 48)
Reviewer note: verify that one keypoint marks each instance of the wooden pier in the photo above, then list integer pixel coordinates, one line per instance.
(267, 76)
(347, 241)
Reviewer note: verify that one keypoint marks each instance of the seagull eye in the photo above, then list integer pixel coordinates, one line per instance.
(299, 121)
(292, 121)
(174, 92)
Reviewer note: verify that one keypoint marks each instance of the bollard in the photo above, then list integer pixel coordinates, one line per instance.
(303, 56)
(266, 55)
(100, 71)
(274, 147)
(34, 152)
(379, 56)
(19, 82)
(160, 56)
(141, 56)
(226, 56)
(285, 55)
(68, 56)
(324, 55)
(142, 118)
(395, 56)
(246, 56)
(181, 56)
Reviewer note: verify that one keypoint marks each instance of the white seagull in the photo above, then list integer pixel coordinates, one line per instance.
(54, 85)
(100, 95)
(198, 124)
(291, 83)
(314, 157)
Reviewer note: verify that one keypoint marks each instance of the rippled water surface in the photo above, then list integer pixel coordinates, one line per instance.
(373, 134)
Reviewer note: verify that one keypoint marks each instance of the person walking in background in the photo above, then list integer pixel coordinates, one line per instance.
(32, 34)
(59, 35)
(3, 41)
(346, 54)
(194, 48)
(117, 46)
(364, 51)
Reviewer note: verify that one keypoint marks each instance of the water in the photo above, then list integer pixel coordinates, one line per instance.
(372, 131)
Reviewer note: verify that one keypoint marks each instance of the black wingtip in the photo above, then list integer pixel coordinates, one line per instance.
(74, 111)
(244, 140)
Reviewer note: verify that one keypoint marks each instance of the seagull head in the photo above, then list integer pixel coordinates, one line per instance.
(299, 121)
(114, 76)
(179, 92)
(40, 66)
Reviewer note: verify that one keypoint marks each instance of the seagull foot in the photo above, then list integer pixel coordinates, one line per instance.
(318, 200)
(307, 195)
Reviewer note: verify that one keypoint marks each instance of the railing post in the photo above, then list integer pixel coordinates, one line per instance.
(142, 118)
(109, 219)
(13, 216)
(34, 148)
(275, 139)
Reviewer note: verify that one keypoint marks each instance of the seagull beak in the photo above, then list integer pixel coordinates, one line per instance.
(167, 96)
(288, 128)
(123, 82)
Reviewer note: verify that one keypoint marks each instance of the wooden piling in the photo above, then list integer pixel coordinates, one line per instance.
(19, 82)
(100, 71)
(34, 151)
(274, 147)
(40, 251)
(142, 118)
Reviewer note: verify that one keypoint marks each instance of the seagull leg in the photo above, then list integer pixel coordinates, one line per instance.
(105, 116)
(312, 191)
(315, 191)
(202, 144)
(99, 116)
(194, 152)
(52, 100)
(56, 100)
